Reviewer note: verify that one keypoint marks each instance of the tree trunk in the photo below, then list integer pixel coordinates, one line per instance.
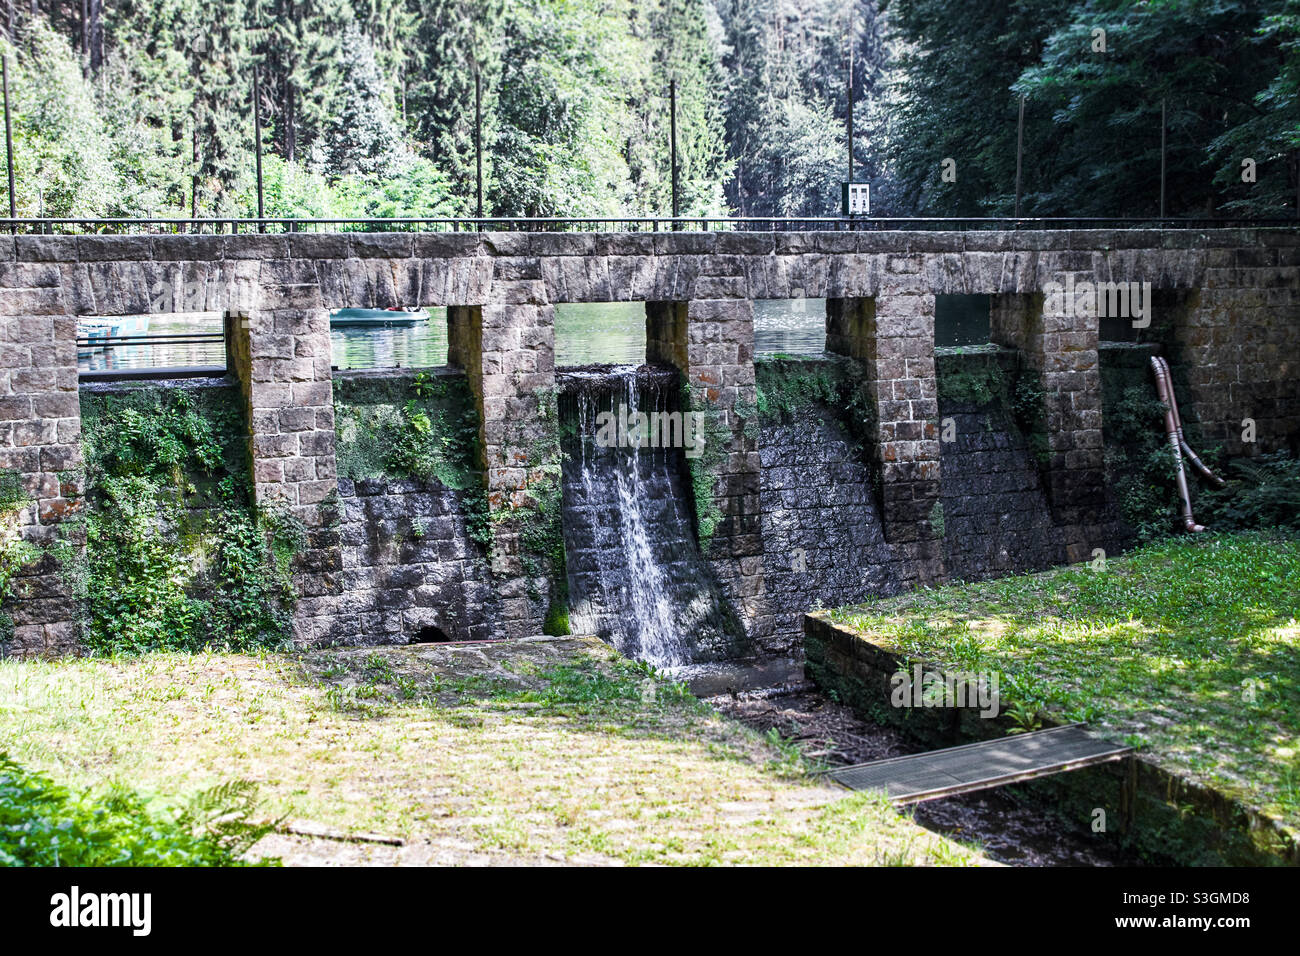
(95, 40)
(290, 128)
(194, 182)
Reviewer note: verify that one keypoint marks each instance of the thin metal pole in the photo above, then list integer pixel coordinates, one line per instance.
(478, 138)
(672, 109)
(1162, 158)
(849, 107)
(257, 136)
(9, 142)
(1020, 150)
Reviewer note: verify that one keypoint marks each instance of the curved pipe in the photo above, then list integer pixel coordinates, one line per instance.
(1177, 443)
(1199, 465)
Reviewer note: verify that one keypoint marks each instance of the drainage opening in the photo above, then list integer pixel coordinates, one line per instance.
(430, 635)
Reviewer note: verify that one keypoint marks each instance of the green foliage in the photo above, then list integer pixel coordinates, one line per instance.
(297, 44)
(368, 108)
(149, 436)
(1092, 137)
(14, 552)
(786, 386)
(177, 558)
(434, 436)
(1104, 110)
(559, 106)
(1139, 463)
(362, 137)
(12, 495)
(1262, 492)
(973, 382)
(431, 436)
(705, 466)
(63, 149)
(1029, 412)
(44, 824)
(541, 531)
(783, 68)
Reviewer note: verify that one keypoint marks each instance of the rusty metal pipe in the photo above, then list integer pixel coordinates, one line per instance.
(1191, 456)
(1165, 389)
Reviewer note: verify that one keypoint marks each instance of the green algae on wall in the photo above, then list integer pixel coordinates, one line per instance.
(177, 555)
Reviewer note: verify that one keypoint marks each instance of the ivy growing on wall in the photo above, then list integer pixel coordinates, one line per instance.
(707, 464)
(789, 384)
(14, 551)
(976, 376)
(177, 557)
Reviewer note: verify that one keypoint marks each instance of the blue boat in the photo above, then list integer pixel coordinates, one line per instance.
(356, 318)
(98, 331)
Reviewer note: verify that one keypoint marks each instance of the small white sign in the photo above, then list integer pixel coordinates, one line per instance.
(857, 199)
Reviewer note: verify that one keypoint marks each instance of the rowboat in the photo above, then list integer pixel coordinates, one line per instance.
(351, 318)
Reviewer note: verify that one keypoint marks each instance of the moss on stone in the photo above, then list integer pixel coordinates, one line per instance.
(408, 425)
(177, 557)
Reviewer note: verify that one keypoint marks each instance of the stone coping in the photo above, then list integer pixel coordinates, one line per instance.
(398, 245)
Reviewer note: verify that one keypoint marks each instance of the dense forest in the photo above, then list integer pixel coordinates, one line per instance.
(367, 107)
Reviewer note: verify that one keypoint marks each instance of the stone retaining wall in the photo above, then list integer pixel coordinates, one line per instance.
(1239, 339)
(1163, 816)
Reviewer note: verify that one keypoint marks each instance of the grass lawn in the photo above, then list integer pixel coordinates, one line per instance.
(529, 752)
(1188, 648)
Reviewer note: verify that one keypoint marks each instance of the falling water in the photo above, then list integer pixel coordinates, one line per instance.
(635, 573)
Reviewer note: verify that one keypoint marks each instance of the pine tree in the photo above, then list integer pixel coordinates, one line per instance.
(221, 116)
(680, 50)
(455, 38)
(297, 47)
(362, 138)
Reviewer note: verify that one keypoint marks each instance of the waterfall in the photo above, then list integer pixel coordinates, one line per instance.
(636, 577)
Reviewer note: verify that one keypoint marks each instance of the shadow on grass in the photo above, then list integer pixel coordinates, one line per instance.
(579, 685)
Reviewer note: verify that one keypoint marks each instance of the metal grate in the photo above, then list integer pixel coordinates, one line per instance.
(979, 766)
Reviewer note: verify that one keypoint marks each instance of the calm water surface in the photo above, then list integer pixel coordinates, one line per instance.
(584, 334)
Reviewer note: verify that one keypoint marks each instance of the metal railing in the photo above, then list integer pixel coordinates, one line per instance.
(105, 343)
(279, 226)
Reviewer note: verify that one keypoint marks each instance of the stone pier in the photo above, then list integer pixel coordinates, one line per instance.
(711, 342)
(1058, 345)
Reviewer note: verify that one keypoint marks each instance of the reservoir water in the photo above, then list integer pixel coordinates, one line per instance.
(611, 333)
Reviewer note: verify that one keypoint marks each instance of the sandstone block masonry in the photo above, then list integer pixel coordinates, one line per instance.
(711, 342)
(1237, 340)
(40, 449)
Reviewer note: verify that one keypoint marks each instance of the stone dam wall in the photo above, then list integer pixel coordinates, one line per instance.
(1228, 316)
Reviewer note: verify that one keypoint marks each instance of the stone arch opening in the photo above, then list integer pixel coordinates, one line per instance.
(430, 634)
(962, 320)
(794, 326)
